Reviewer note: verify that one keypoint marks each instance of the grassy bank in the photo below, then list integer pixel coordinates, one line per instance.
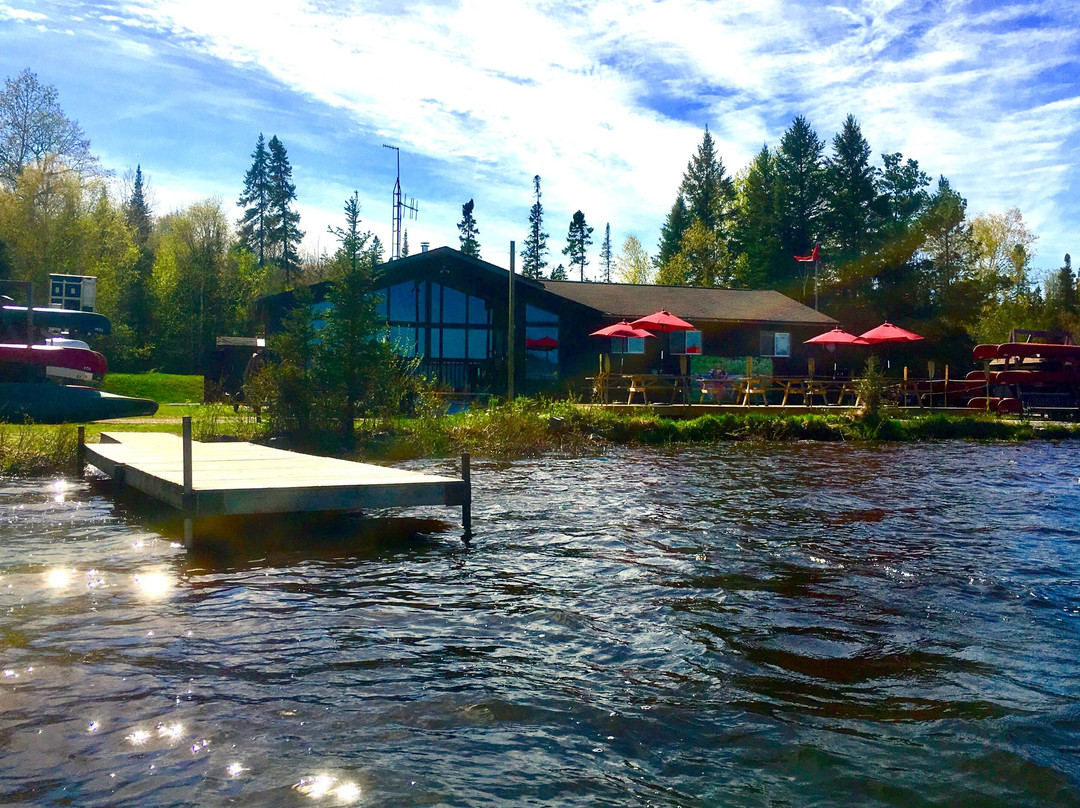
(164, 388)
(533, 427)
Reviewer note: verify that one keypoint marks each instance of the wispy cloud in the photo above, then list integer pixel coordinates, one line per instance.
(606, 99)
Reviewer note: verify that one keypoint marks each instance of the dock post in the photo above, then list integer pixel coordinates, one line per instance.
(80, 452)
(466, 506)
(189, 525)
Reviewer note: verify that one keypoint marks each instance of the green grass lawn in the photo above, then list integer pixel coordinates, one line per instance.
(164, 388)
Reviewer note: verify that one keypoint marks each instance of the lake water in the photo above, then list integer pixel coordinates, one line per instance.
(780, 625)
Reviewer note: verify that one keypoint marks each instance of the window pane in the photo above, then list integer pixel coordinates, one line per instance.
(535, 315)
(403, 300)
(685, 342)
(766, 343)
(628, 345)
(453, 306)
(478, 311)
(453, 343)
(478, 343)
(436, 303)
(782, 344)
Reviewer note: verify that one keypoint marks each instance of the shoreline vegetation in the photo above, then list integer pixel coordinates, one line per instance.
(526, 427)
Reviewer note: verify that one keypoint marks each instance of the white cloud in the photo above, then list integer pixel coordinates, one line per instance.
(606, 100)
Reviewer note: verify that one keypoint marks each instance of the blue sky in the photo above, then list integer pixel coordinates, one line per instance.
(606, 101)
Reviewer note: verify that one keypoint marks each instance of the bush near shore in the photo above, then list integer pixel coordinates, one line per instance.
(529, 427)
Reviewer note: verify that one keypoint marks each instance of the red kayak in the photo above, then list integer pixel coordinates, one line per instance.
(1039, 377)
(61, 364)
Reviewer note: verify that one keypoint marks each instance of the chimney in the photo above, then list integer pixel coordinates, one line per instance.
(424, 246)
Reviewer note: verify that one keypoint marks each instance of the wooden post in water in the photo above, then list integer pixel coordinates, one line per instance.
(466, 506)
(189, 525)
(510, 334)
(80, 452)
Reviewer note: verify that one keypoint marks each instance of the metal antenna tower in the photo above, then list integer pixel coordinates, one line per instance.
(400, 205)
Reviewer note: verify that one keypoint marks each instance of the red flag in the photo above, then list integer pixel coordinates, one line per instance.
(811, 257)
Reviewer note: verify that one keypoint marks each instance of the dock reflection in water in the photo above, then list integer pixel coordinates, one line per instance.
(739, 625)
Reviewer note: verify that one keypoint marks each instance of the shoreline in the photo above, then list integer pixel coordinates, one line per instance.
(531, 427)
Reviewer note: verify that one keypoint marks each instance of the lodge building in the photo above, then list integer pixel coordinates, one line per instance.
(451, 311)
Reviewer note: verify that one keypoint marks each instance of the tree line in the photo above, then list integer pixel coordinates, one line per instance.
(892, 243)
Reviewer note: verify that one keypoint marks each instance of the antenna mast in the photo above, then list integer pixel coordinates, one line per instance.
(400, 205)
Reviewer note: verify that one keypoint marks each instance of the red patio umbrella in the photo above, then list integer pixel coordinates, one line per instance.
(830, 339)
(837, 336)
(887, 332)
(623, 329)
(663, 320)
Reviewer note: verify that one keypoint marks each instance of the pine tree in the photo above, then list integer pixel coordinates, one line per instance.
(138, 211)
(468, 231)
(605, 253)
(707, 189)
(350, 354)
(405, 244)
(255, 199)
(283, 231)
(578, 239)
(756, 225)
(534, 252)
(676, 224)
(134, 306)
(559, 273)
(802, 177)
(851, 184)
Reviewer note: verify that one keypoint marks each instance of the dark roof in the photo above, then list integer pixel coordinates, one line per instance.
(628, 301)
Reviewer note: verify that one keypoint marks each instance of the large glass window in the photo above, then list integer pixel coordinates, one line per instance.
(418, 310)
(535, 315)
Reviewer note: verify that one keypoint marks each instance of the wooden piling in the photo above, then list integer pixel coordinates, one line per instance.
(80, 452)
(466, 506)
(189, 524)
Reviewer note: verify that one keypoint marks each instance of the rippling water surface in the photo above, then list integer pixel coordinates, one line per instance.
(750, 626)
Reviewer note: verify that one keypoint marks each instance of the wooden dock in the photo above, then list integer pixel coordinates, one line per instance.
(236, 478)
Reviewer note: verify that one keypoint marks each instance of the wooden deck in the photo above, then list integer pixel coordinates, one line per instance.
(243, 478)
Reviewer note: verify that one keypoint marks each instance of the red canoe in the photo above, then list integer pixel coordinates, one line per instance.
(62, 364)
(1040, 349)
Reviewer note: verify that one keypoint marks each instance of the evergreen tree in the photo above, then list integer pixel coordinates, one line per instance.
(851, 184)
(134, 305)
(1061, 294)
(350, 353)
(138, 211)
(405, 244)
(559, 273)
(903, 193)
(678, 220)
(255, 200)
(801, 184)
(707, 189)
(534, 251)
(468, 231)
(578, 239)
(605, 253)
(283, 232)
(756, 225)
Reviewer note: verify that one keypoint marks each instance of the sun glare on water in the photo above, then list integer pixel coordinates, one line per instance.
(153, 584)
